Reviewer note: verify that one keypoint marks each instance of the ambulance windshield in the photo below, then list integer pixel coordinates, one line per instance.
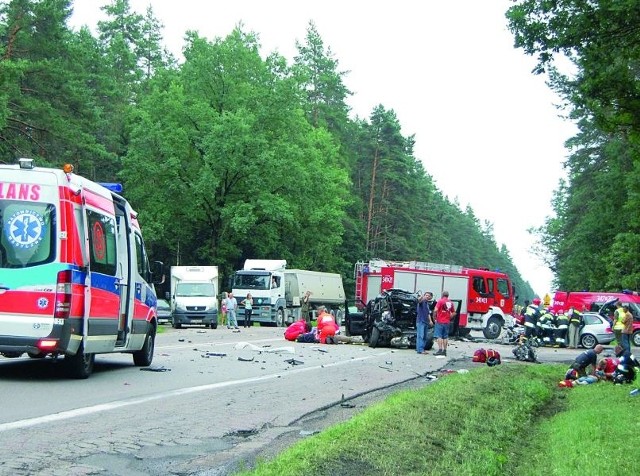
(28, 233)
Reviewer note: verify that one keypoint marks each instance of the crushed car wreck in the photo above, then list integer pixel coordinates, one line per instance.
(388, 320)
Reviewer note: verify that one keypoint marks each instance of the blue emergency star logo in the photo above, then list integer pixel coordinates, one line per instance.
(25, 229)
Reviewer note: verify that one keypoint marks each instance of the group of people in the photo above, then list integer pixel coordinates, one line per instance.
(562, 329)
(325, 331)
(586, 368)
(229, 307)
(436, 314)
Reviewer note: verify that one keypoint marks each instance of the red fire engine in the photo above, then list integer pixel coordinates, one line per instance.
(485, 298)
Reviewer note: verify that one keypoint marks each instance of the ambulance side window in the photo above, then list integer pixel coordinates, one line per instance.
(102, 243)
(141, 258)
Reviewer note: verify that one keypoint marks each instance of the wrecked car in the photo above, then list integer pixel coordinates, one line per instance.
(388, 320)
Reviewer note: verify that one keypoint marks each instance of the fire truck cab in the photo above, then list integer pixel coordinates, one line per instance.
(486, 297)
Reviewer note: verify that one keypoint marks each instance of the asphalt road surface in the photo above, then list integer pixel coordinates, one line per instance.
(212, 402)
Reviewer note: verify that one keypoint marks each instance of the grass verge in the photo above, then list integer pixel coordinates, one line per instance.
(505, 420)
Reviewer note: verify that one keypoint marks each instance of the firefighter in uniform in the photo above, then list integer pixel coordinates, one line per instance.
(531, 315)
(562, 325)
(545, 327)
(575, 322)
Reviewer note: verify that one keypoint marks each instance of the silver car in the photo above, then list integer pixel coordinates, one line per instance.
(596, 330)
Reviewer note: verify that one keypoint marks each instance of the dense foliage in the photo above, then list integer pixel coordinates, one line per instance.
(228, 154)
(593, 241)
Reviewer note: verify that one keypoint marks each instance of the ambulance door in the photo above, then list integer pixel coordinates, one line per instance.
(124, 274)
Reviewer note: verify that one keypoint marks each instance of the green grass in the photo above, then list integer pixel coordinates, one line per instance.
(506, 420)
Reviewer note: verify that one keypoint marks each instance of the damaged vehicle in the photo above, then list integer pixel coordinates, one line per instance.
(388, 320)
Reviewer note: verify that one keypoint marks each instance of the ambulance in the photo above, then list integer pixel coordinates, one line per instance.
(75, 279)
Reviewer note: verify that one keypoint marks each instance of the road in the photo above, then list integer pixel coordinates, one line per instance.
(212, 401)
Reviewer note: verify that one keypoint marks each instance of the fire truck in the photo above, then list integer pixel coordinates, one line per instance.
(484, 298)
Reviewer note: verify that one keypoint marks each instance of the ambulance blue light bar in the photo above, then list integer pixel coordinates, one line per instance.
(114, 187)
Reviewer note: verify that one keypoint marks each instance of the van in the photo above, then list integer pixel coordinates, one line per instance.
(75, 279)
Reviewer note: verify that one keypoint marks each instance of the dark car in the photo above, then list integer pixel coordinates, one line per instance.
(387, 320)
(164, 312)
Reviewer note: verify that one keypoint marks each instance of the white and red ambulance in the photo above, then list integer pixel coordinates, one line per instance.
(75, 279)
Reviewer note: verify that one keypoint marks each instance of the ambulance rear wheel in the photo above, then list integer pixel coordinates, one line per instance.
(80, 365)
(144, 356)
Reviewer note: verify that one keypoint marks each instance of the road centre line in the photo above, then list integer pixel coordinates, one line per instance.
(103, 407)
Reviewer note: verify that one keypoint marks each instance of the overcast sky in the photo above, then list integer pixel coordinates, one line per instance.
(486, 129)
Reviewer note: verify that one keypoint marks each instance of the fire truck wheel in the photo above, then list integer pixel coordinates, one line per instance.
(80, 365)
(493, 329)
(375, 337)
(144, 356)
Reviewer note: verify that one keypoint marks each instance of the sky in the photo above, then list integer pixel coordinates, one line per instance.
(486, 128)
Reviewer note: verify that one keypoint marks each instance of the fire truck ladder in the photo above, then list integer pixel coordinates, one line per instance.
(358, 272)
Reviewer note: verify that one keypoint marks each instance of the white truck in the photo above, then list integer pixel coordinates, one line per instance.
(277, 292)
(194, 296)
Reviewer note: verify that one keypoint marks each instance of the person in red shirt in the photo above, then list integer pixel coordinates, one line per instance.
(326, 325)
(444, 311)
(297, 328)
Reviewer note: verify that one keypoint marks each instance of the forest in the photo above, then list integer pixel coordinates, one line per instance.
(229, 154)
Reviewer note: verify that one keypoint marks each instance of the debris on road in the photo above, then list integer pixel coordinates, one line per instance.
(155, 369)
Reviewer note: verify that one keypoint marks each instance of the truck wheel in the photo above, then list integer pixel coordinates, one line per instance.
(493, 329)
(175, 324)
(636, 338)
(80, 365)
(144, 356)
(280, 322)
(375, 337)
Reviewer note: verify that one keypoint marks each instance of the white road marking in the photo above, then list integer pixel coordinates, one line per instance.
(29, 422)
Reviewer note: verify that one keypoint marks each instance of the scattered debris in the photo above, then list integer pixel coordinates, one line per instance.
(243, 433)
(155, 369)
(324, 351)
(276, 350)
(308, 432)
(244, 359)
(294, 362)
(215, 354)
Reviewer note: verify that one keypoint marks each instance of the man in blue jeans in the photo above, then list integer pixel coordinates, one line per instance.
(423, 321)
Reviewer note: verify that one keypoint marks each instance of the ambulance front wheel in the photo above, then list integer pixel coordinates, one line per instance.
(144, 356)
(80, 365)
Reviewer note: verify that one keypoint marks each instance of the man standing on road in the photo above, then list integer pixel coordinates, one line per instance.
(423, 322)
(444, 311)
(627, 330)
(232, 307)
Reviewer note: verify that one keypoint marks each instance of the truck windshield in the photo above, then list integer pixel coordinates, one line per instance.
(251, 281)
(195, 290)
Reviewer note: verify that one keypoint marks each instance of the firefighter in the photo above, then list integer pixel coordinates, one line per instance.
(562, 325)
(575, 323)
(531, 316)
(545, 327)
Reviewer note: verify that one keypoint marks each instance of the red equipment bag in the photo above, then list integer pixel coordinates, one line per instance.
(480, 355)
(489, 356)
